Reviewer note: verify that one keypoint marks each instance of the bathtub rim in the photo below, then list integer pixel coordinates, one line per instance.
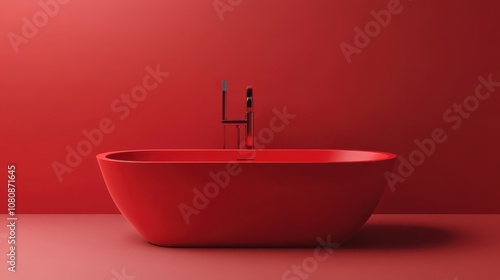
(382, 156)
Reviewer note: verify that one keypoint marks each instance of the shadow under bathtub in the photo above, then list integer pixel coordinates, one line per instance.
(400, 237)
(370, 236)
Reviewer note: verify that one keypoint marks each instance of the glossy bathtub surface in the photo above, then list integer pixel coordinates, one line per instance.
(284, 156)
(245, 198)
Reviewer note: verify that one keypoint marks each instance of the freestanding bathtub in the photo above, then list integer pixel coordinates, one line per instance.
(245, 198)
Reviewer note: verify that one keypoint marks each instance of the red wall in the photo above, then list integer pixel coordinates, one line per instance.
(67, 74)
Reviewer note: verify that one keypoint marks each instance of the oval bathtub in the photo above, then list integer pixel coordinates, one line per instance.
(245, 198)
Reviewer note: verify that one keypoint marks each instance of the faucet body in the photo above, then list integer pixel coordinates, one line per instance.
(247, 122)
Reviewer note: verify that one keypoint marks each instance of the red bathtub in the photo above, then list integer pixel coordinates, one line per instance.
(245, 198)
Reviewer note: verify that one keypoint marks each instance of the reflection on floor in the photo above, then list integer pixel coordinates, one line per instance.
(434, 247)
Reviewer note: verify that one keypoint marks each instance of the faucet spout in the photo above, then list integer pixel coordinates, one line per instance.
(249, 118)
(247, 122)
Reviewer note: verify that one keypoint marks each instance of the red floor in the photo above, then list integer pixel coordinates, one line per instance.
(434, 247)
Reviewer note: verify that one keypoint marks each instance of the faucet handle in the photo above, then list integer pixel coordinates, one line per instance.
(249, 97)
(224, 85)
